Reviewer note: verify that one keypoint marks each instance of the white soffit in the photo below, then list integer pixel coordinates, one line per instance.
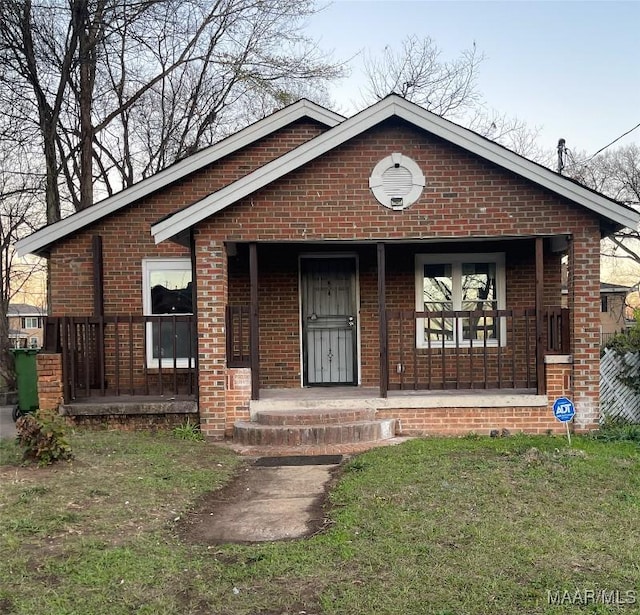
(39, 240)
(390, 106)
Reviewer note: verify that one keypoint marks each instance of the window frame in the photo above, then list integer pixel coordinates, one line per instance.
(31, 319)
(150, 265)
(455, 261)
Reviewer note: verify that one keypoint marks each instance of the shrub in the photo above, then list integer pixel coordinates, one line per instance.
(617, 429)
(625, 345)
(43, 438)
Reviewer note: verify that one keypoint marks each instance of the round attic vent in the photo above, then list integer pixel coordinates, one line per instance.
(396, 181)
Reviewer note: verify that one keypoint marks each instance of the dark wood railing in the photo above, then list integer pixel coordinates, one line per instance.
(558, 339)
(461, 350)
(491, 349)
(125, 355)
(238, 336)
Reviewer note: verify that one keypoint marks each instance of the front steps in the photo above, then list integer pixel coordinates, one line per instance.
(313, 431)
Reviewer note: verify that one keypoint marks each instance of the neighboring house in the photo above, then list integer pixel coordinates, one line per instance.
(392, 261)
(614, 310)
(26, 325)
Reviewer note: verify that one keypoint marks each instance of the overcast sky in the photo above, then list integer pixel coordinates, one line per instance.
(571, 68)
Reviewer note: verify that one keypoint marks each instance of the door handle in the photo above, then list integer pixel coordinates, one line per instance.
(351, 321)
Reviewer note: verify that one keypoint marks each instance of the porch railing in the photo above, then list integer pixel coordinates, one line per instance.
(460, 349)
(486, 349)
(238, 329)
(125, 355)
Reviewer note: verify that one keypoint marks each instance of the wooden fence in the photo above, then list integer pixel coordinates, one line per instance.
(616, 399)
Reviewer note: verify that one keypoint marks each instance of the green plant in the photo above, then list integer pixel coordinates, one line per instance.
(188, 431)
(43, 438)
(617, 429)
(626, 345)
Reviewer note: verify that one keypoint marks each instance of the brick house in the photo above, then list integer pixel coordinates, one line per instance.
(393, 262)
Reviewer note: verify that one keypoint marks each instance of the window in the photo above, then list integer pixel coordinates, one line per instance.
(604, 303)
(34, 342)
(31, 322)
(471, 283)
(167, 288)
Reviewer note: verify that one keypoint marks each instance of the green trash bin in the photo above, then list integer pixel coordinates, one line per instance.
(27, 378)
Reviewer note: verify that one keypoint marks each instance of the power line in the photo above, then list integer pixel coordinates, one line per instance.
(609, 144)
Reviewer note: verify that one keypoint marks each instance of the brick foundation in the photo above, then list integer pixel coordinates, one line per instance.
(130, 422)
(462, 421)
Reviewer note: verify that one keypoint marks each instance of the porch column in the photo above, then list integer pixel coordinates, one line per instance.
(382, 320)
(211, 264)
(540, 345)
(254, 324)
(584, 309)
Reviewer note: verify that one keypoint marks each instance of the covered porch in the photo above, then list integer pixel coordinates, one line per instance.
(497, 343)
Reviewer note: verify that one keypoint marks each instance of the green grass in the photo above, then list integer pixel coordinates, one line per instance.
(433, 526)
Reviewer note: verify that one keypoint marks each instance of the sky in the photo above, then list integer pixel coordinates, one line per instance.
(571, 69)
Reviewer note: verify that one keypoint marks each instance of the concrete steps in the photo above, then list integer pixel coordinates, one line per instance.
(317, 427)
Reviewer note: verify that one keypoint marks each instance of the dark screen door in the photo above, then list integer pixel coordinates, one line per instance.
(329, 321)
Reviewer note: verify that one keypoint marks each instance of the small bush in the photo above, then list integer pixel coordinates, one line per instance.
(616, 429)
(43, 438)
(188, 431)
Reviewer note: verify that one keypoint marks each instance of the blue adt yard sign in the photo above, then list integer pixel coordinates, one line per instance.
(563, 409)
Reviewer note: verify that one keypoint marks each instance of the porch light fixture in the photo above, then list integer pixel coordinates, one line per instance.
(397, 181)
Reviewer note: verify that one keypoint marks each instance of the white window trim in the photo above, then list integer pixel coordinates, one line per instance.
(148, 266)
(456, 261)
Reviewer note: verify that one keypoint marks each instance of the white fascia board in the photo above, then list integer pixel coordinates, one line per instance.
(507, 159)
(280, 119)
(386, 108)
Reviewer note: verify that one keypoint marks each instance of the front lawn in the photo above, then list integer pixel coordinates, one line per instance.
(433, 526)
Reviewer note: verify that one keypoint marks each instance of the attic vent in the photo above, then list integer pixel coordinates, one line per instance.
(396, 181)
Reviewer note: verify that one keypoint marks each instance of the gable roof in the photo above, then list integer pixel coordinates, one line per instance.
(42, 239)
(393, 106)
(24, 309)
(607, 287)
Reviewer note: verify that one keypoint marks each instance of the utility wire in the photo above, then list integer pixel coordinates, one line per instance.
(608, 145)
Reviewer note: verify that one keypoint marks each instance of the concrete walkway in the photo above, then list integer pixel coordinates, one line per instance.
(7, 426)
(271, 499)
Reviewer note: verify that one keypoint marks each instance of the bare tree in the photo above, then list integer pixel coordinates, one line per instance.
(417, 72)
(118, 89)
(615, 173)
(510, 132)
(20, 213)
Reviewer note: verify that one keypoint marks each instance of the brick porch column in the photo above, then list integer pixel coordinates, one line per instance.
(212, 290)
(584, 304)
(49, 370)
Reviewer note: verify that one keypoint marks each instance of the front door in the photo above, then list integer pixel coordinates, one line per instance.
(329, 328)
